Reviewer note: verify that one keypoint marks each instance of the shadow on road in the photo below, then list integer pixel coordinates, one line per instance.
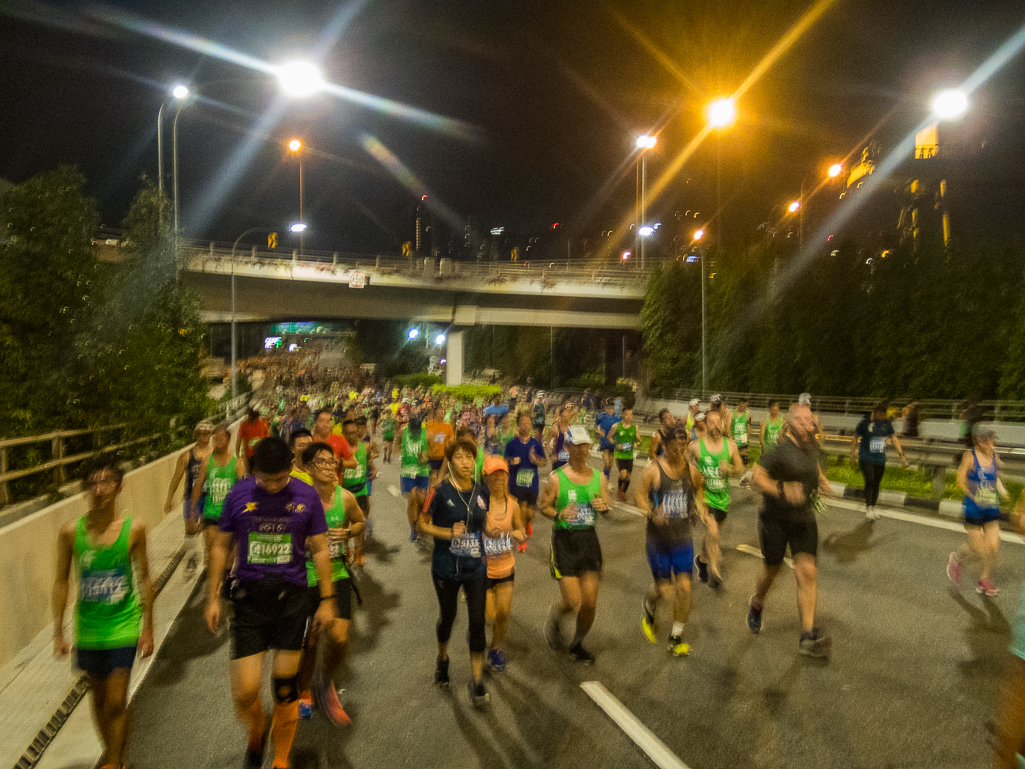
(846, 547)
(171, 662)
(988, 636)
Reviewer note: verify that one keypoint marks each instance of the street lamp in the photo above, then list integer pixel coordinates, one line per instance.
(297, 227)
(439, 340)
(720, 114)
(300, 78)
(644, 143)
(794, 205)
(698, 235)
(294, 146)
(949, 104)
(413, 333)
(180, 93)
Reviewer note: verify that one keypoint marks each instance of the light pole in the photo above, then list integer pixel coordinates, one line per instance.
(295, 147)
(179, 93)
(298, 227)
(834, 171)
(698, 235)
(644, 143)
(720, 114)
(949, 104)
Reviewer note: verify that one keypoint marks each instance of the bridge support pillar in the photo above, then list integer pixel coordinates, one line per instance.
(454, 358)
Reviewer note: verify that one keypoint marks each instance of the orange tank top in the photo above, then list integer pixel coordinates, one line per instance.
(498, 549)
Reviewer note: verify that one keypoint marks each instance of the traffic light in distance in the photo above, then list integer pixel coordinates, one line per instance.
(272, 240)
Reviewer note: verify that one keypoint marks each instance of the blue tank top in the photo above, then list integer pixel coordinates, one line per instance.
(983, 483)
(559, 450)
(191, 475)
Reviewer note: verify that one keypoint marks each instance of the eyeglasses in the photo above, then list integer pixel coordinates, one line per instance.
(325, 464)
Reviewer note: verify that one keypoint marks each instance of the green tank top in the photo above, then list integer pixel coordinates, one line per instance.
(355, 478)
(772, 428)
(717, 487)
(624, 439)
(335, 520)
(573, 494)
(505, 437)
(107, 613)
(409, 464)
(478, 469)
(738, 428)
(219, 481)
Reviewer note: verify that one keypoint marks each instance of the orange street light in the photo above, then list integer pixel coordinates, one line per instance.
(699, 234)
(295, 145)
(792, 208)
(721, 113)
(835, 170)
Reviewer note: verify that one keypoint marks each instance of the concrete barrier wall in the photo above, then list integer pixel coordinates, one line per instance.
(28, 550)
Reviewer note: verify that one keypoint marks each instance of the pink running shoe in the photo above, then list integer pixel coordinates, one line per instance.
(954, 569)
(986, 588)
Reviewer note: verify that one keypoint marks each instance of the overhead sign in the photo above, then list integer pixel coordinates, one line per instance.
(357, 279)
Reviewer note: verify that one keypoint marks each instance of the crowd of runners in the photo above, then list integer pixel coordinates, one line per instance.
(284, 518)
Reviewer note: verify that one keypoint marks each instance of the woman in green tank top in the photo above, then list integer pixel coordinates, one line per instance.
(109, 555)
(220, 473)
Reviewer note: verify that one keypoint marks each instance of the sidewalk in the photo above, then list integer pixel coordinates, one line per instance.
(35, 688)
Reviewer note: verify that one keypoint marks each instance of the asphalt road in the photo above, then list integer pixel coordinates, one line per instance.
(911, 682)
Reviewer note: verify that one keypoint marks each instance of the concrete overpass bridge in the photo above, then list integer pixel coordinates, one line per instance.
(273, 286)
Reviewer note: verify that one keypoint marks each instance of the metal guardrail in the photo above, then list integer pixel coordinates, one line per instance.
(59, 459)
(421, 267)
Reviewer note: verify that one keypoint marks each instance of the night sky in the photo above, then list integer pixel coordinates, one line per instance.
(542, 99)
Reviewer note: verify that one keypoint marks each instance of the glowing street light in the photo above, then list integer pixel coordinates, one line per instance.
(721, 113)
(794, 205)
(699, 234)
(646, 231)
(949, 104)
(180, 92)
(298, 227)
(439, 340)
(626, 255)
(646, 142)
(300, 78)
(835, 170)
(413, 333)
(295, 145)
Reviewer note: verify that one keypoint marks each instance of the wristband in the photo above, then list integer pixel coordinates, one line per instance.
(326, 597)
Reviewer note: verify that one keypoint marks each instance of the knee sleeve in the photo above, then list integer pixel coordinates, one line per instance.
(286, 690)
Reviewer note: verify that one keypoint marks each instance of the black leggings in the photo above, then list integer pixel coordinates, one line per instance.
(873, 477)
(476, 591)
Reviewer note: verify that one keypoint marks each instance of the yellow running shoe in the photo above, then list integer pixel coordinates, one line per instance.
(678, 647)
(647, 622)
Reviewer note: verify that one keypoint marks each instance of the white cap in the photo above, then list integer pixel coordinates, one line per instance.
(804, 398)
(577, 435)
(695, 401)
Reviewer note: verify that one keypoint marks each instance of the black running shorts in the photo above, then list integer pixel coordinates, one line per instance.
(776, 534)
(343, 598)
(625, 464)
(269, 614)
(575, 551)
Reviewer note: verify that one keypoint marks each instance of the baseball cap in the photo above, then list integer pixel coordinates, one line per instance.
(205, 426)
(578, 436)
(699, 417)
(695, 401)
(716, 399)
(804, 398)
(493, 463)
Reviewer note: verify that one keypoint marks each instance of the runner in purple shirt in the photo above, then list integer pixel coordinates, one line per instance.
(271, 520)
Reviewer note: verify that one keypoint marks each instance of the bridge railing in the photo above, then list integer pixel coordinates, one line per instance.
(553, 271)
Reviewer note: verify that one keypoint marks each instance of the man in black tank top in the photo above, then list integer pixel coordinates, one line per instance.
(666, 495)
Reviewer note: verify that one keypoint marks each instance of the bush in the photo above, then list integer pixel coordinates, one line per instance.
(467, 393)
(427, 381)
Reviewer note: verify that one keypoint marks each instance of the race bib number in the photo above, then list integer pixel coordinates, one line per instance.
(713, 477)
(466, 545)
(498, 545)
(624, 447)
(740, 437)
(270, 548)
(108, 587)
(877, 445)
(439, 438)
(354, 473)
(408, 472)
(335, 551)
(525, 478)
(219, 490)
(674, 505)
(584, 516)
(986, 496)
(564, 455)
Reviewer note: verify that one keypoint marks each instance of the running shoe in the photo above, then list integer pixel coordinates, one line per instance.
(647, 622)
(360, 561)
(412, 535)
(714, 581)
(553, 634)
(815, 644)
(754, 617)
(331, 705)
(496, 660)
(580, 654)
(678, 647)
(306, 705)
(254, 758)
(702, 569)
(441, 674)
(530, 530)
(190, 567)
(478, 695)
(954, 569)
(522, 547)
(871, 514)
(987, 588)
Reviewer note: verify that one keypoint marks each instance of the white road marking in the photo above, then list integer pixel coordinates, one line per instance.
(645, 739)
(752, 550)
(924, 520)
